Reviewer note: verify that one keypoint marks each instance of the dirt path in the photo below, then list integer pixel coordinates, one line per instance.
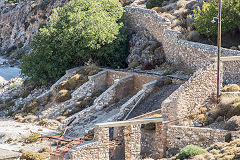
(154, 100)
(18, 132)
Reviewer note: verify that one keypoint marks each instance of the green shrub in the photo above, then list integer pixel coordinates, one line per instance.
(33, 156)
(154, 3)
(82, 30)
(14, 85)
(190, 151)
(34, 137)
(11, 1)
(204, 15)
(10, 140)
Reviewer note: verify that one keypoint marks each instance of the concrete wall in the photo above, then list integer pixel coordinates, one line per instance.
(190, 55)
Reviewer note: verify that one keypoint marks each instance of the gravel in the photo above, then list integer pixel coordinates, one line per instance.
(154, 100)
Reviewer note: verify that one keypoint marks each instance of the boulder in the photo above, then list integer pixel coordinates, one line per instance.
(193, 36)
(233, 124)
(144, 51)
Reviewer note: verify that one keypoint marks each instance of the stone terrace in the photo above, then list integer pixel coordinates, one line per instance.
(122, 91)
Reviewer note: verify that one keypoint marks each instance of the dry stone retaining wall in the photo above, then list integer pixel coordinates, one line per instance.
(191, 94)
(180, 136)
(114, 103)
(132, 138)
(190, 55)
(98, 150)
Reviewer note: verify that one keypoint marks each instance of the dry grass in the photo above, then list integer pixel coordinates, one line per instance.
(231, 88)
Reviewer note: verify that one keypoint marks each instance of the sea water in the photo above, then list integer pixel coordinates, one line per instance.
(7, 72)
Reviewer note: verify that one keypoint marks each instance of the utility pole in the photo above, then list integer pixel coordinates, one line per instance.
(219, 47)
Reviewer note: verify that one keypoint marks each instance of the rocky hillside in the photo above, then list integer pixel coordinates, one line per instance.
(20, 20)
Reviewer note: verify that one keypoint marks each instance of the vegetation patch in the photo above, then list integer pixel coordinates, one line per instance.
(33, 156)
(154, 3)
(231, 88)
(63, 95)
(34, 137)
(45, 149)
(77, 32)
(14, 85)
(82, 103)
(190, 151)
(10, 140)
(204, 15)
(32, 107)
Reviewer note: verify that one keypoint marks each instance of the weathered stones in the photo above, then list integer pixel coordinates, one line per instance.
(193, 36)
(20, 22)
(144, 51)
(233, 124)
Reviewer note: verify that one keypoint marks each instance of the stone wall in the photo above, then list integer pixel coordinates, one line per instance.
(98, 150)
(113, 104)
(180, 136)
(144, 92)
(138, 19)
(190, 55)
(113, 77)
(191, 94)
(132, 138)
(140, 80)
(116, 92)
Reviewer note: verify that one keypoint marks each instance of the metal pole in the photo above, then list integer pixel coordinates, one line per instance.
(219, 47)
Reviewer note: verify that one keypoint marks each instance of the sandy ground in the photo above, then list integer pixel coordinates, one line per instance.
(19, 132)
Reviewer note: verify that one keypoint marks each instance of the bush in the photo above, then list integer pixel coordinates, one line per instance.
(14, 85)
(33, 156)
(34, 137)
(233, 124)
(190, 151)
(204, 15)
(82, 30)
(231, 88)
(154, 3)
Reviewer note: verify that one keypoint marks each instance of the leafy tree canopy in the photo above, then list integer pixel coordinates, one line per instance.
(77, 32)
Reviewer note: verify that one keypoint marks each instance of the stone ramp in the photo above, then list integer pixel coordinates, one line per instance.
(153, 101)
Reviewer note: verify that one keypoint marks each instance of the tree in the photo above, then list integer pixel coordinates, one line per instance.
(77, 32)
(204, 15)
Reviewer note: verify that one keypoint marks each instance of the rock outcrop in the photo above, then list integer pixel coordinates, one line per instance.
(20, 20)
(145, 50)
